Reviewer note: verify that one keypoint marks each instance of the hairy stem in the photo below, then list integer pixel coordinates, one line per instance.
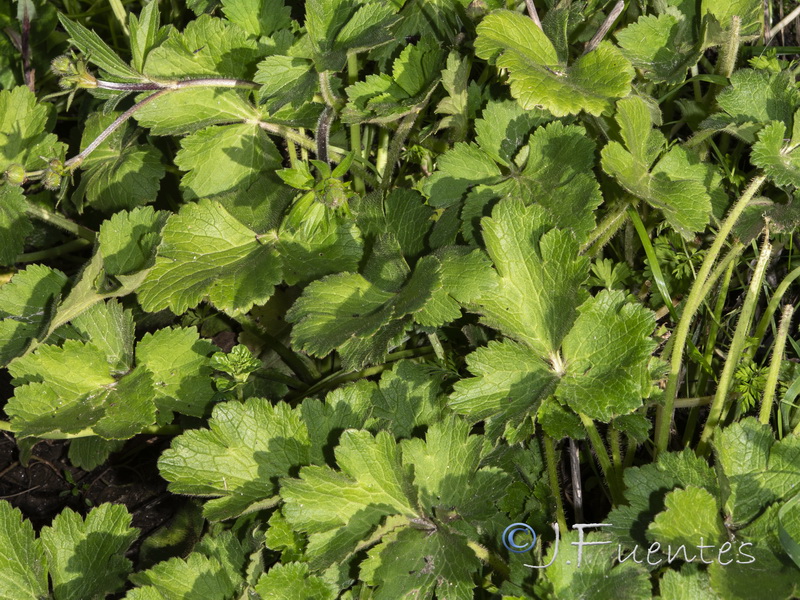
(604, 28)
(736, 349)
(772, 307)
(775, 364)
(693, 302)
(396, 146)
(336, 379)
(65, 248)
(355, 129)
(551, 461)
(37, 212)
(323, 132)
(534, 15)
(602, 458)
(605, 230)
(178, 84)
(711, 340)
(76, 160)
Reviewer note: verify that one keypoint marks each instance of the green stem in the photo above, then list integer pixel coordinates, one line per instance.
(730, 50)
(305, 143)
(37, 212)
(489, 558)
(693, 302)
(336, 379)
(775, 365)
(615, 444)
(177, 84)
(602, 458)
(66, 248)
(655, 267)
(605, 230)
(355, 128)
(383, 150)
(76, 160)
(551, 461)
(772, 307)
(708, 352)
(693, 402)
(736, 348)
(398, 139)
(327, 91)
(292, 149)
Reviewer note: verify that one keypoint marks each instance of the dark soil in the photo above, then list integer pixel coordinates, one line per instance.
(42, 489)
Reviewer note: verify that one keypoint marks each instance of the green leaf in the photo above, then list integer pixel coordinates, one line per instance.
(92, 286)
(63, 390)
(509, 382)
(607, 355)
(751, 13)
(678, 185)
(221, 160)
(146, 33)
(789, 528)
(540, 277)
(15, 225)
(384, 98)
(418, 564)
(111, 328)
(128, 240)
(189, 109)
(337, 28)
(755, 469)
(285, 80)
(504, 127)
(337, 509)
(690, 583)
(22, 559)
(237, 460)
(647, 487)
(779, 160)
(691, 518)
(538, 79)
(763, 574)
(86, 558)
(464, 97)
(459, 169)
(257, 17)
(373, 494)
(97, 50)
(119, 173)
(593, 576)
(662, 47)
(408, 397)
(88, 453)
(207, 47)
(759, 97)
(360, 319)
(293, 582)
(558, 176)
(25, 303)
(23, 131)
(180, 363)
(197, 577)
(206, 252)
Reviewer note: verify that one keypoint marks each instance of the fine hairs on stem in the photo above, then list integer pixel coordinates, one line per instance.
(692, 305)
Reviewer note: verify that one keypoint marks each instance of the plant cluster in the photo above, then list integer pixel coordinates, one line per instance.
(391, 276)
